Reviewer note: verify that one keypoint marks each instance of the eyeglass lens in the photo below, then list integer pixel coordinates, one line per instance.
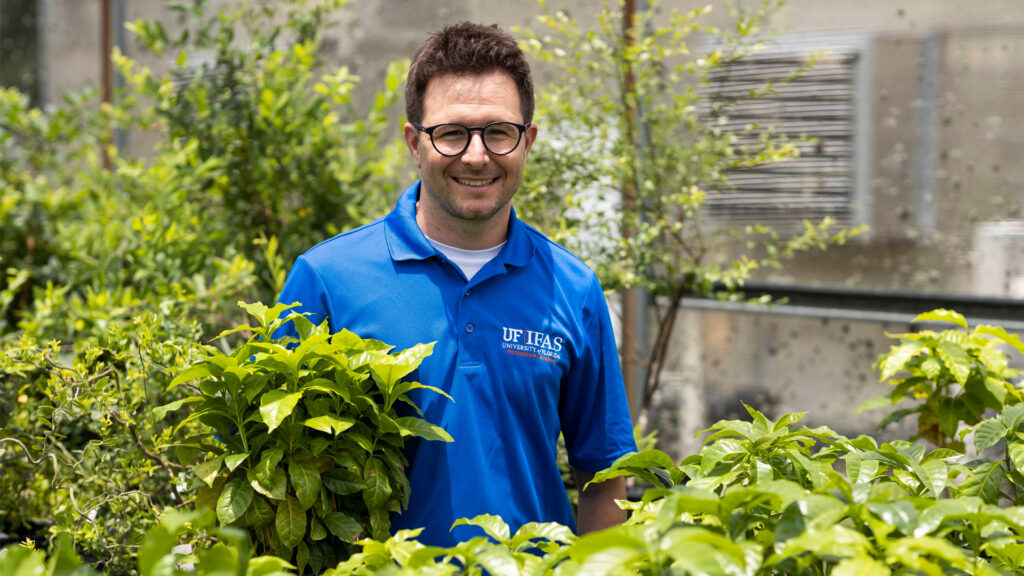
(499, 138)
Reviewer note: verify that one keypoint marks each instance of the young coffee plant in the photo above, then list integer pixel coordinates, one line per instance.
(957, 374)
(304, 440)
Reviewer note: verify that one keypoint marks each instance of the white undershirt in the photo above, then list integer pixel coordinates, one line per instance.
(469, 261)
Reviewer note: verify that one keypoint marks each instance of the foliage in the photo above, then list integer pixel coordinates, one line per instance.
(259, 153)
(289, 155)
(957, 374)
(762, 497)
(78, 436)
(630, 155)
(84, 247)
(308, 439)
(213, 552)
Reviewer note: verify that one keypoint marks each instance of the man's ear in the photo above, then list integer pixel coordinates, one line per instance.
(529, 136)
(412, 140)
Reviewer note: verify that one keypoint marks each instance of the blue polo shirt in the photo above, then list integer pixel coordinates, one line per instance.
(525, 349)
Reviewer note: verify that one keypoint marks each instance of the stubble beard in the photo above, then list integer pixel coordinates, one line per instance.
(448, 203)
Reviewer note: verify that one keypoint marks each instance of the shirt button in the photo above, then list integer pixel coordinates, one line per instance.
(469, 328)
(467, 292)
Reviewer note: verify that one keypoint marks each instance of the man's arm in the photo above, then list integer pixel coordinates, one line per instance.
(598, 509)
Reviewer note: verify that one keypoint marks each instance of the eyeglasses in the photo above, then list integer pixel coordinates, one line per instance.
(452, 138)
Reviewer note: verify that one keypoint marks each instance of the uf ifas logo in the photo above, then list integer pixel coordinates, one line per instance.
(531, 343)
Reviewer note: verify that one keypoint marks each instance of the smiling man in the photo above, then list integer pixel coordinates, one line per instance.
(524, 341)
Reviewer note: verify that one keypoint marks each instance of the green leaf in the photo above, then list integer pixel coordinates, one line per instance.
(305, 479)
(956, 360)
(194, 372)
(161, 411)
(949, 416)
(1001, 333)
(330, 423)
(268, 464)
(277, 405)
(1016, 453)
(388, 370)
(275, 489)
(898, 357)
(260, 513)
(378, 489)
(931, 367)
(412, 426)
(942, 315)
(984, 481)
(550, 531)
(720, 450)
(301, 557)
(290, 522)
(997, 388)
(343, 526)
(861, 566)
(609, 552)
(234, 460)
(988, 433)
(234, 501)
(207, 471)
(342, 482)
(494, 526)
(317, 531)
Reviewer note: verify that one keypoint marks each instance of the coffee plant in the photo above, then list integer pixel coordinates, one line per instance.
(302, 438)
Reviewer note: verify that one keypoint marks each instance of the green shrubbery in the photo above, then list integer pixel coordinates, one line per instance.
(761, 497)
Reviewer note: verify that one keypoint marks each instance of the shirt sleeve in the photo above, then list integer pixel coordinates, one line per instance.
(305, 287)
(594, 411)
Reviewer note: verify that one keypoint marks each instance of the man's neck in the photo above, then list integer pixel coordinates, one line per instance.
(467, 235)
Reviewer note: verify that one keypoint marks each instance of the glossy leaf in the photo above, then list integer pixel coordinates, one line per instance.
(494, 526)
(898, 357)
(861, 566)
(955, 358)
(412, 426)
(234, 500)
(942, 315)
(305, 480)
(330, 424)
(988, 433)
(378, 489)
(277, 405)
(290, 522)
(1001, 333)
(343, 526)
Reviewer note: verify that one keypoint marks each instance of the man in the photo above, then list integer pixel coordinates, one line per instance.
(524, 342)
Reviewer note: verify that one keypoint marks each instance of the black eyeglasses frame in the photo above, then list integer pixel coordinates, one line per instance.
(429, 131)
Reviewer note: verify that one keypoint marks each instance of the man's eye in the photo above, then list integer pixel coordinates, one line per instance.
(450, 134)
(502, 132)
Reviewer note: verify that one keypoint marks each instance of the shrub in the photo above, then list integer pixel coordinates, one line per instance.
(308, 437)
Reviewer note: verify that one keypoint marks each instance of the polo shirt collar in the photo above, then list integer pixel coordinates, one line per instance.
(407, 242)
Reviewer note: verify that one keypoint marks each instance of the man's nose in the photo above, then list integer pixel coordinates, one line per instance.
(476, 153)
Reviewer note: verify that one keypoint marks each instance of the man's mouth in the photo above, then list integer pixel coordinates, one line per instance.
(475, 182)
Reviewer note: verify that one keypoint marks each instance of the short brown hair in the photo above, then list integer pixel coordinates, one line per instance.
(467, 49)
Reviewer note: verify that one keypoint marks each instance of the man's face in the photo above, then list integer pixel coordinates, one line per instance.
(475, 186)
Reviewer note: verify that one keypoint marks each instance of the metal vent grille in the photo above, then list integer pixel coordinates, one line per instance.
(774, 91)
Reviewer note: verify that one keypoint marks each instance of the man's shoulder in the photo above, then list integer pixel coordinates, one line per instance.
(561, 260)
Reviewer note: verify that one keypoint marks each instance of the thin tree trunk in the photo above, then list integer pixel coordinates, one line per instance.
(659, 351)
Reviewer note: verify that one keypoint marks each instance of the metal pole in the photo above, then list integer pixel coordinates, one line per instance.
(106, 67)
